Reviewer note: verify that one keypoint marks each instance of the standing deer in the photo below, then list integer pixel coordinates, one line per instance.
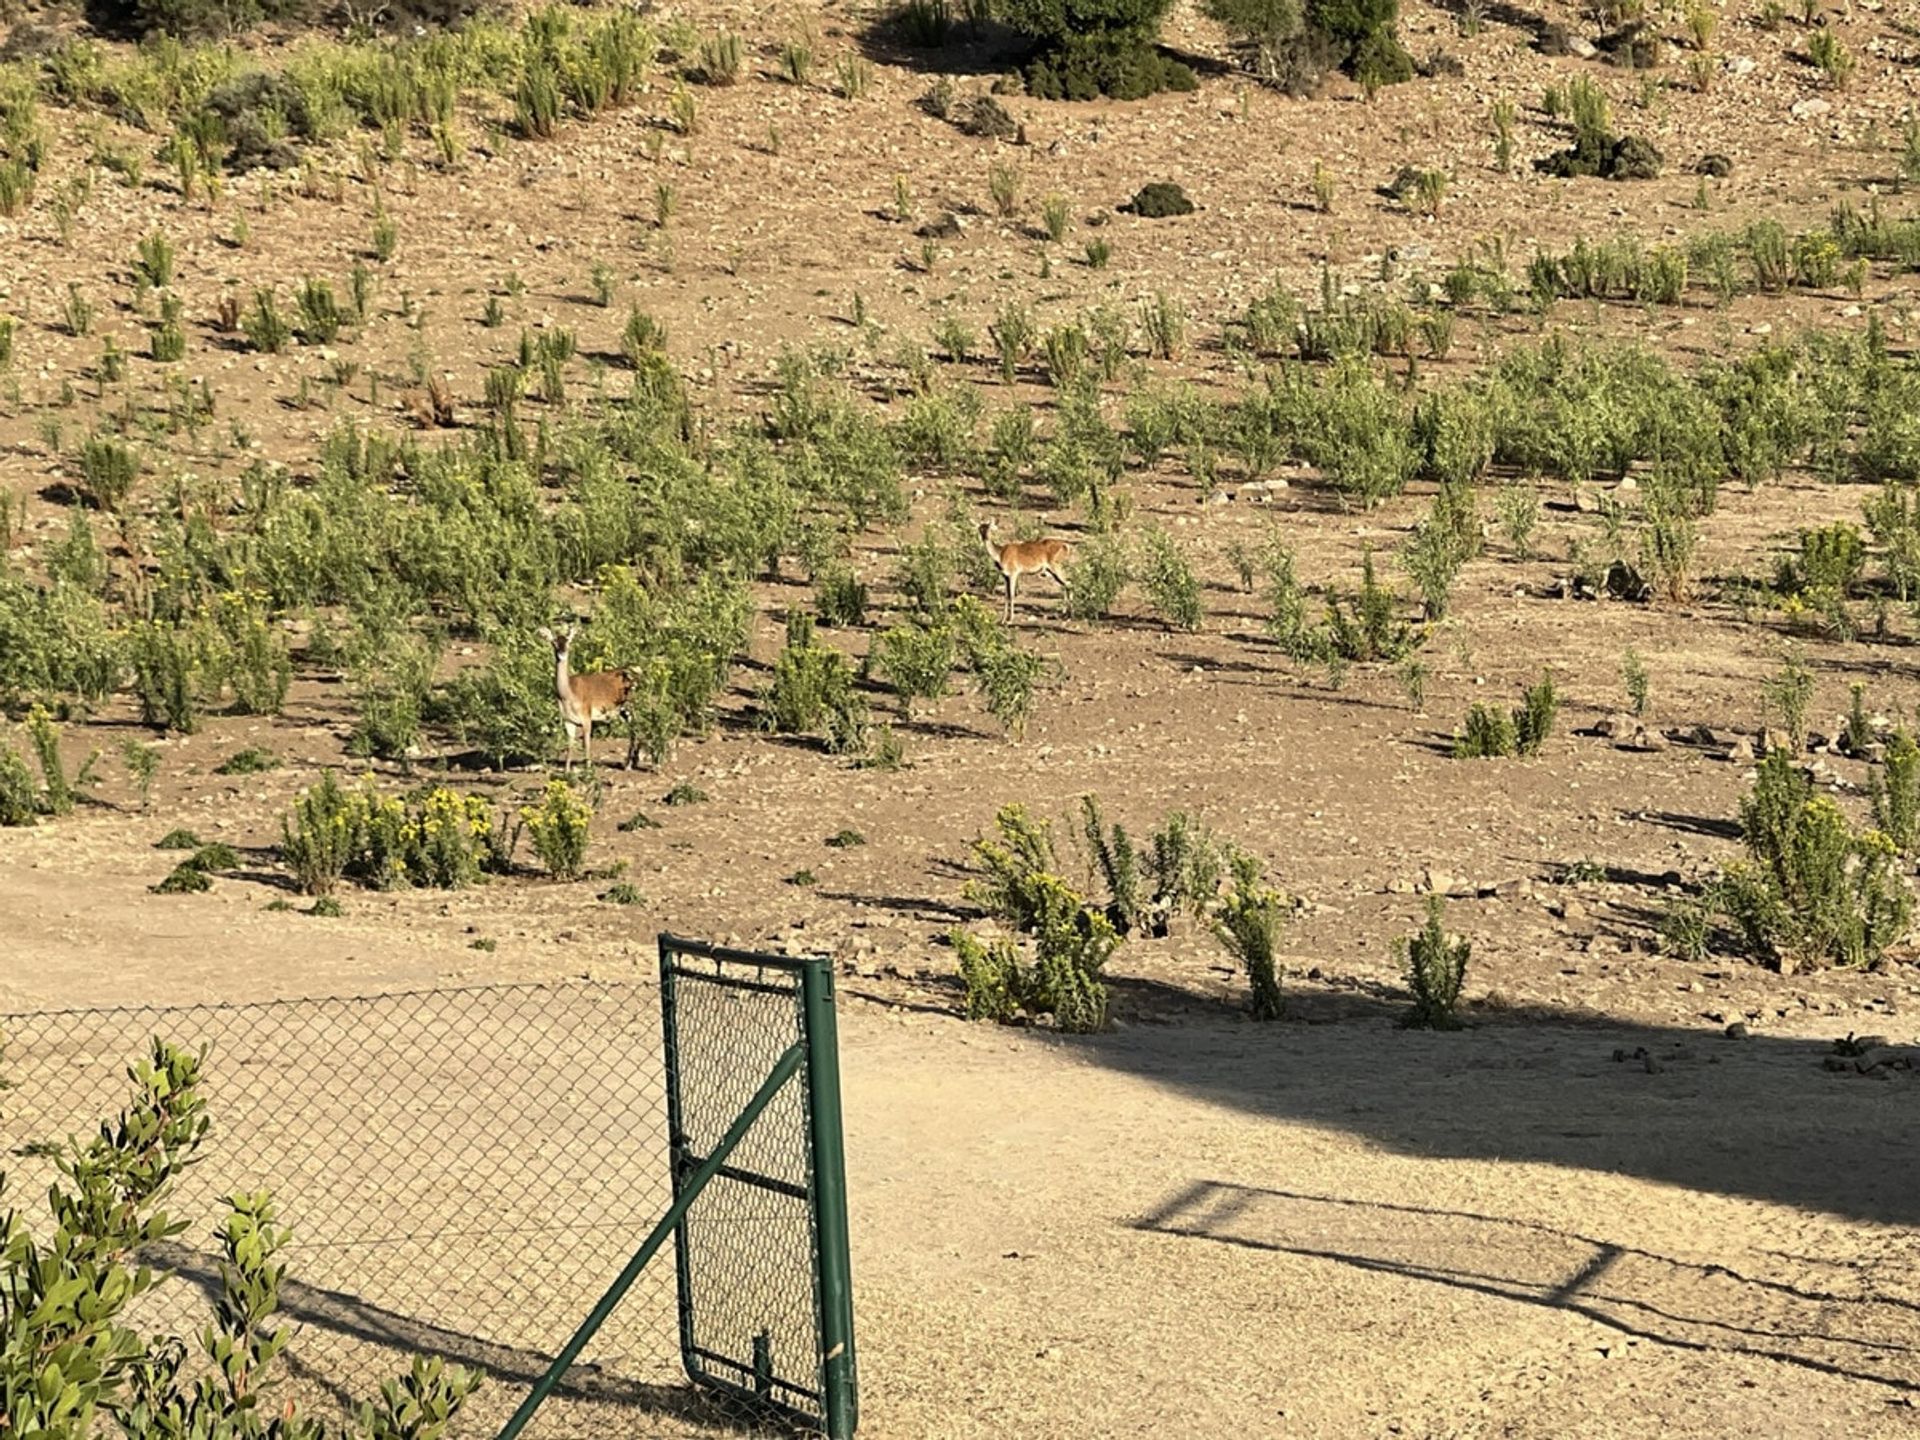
(1025, 557)
(583, 698)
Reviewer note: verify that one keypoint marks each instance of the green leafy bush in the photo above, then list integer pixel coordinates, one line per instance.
(1436, 968)
(1172, 587)
(916, 659)
(1248, 924)
(67, 1359)
(1487, 735)
(1815, 890)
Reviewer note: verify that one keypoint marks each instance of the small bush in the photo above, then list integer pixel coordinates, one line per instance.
(178, 840)
(1249, 924)
(19, 797)
(685, 793)
(1895, 793)
(319, 839)
(557, 827)
(1815, 891)
(916, 659)
(1436, 968)
(108, 470)
(1533, 721)
(995, 979)
(1488, 734)
(1101, 568)
(1160, 200)
(183, 880)
(1172, 587)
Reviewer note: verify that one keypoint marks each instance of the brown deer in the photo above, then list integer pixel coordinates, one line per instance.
(583, 698)
(1025, 557)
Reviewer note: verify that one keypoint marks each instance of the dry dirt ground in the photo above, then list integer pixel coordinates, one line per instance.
(1591, 1213)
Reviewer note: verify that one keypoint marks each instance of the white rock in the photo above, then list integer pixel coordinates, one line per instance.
(1812, 108)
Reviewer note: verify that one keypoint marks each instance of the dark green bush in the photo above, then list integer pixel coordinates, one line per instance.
(1160, 199)
(1436, 968)
(1365, 36)
(1089, 48)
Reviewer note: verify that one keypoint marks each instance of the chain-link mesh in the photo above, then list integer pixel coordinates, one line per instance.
(464, 1171)
(746, 1254)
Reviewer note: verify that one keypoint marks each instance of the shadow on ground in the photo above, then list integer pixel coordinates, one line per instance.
(1760, 1117)
(1637, 1293)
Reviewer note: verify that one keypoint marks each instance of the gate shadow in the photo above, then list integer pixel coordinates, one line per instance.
(1634, 1292)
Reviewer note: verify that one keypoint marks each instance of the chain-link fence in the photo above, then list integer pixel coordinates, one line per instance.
(465, 1170)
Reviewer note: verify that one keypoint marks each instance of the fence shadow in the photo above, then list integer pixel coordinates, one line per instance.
(1675, 1303)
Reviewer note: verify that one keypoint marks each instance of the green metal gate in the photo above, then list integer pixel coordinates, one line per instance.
(759, 1213)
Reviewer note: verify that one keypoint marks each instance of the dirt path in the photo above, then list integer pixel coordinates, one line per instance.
(1342, 1230)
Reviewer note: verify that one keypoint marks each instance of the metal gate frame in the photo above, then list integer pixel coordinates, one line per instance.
(815, 1055)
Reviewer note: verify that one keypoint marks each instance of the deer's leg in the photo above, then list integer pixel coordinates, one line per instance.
(1010, 584)
(573, 734)
(587, 735)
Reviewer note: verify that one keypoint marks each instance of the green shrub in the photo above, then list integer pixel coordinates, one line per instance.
(56, 796)
(916, 660)
(178, 840)
(1248, 924)
(1788, 694)
(1492, 733)
(1172, 588)
(184, 879)
(1367, 627)
(1895, 793)
(1100, 570)
(839, 596)
(1488, 734)
(175, 668)
(72, 1359)
(1436, 968)
(265, 327)
(1815, 891)
(1005, 674)
(812, 689)
(1533, 721)
(320, 837)
(557, 827)
(1366, 39)
(19, 796)
(996, 981)
(108, 470)
(209, 859)
(1020, 886)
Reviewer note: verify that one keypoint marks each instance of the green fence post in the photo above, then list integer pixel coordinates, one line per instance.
(840, 1390)
(782, 1071)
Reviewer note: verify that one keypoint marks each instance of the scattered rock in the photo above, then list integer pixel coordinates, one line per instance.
(1772, 739)
(1740, 752)
(1739, 65)
(1646, 738)
(1715, 164)
(1626, 583)
(946, 226)
(1581, 47)
(1738, 1030)
(1812, 108)
(987, 118)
